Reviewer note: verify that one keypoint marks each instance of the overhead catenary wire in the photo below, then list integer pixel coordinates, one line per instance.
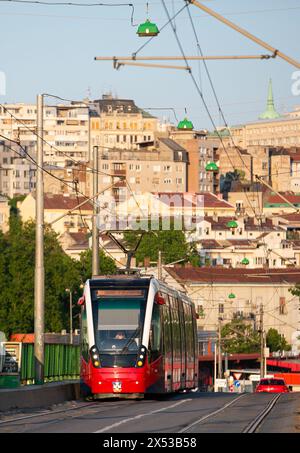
(67, 183)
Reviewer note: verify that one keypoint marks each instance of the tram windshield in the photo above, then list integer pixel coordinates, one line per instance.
(118, 319)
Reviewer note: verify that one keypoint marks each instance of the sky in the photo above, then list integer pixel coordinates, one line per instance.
(51, 49)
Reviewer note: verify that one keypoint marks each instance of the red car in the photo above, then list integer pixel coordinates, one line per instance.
(272, 385)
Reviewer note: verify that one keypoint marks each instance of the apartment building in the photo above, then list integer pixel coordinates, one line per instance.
(210, 287)
(17, 172)
(202, 149)
(119, 123)
(66, 130)
(4, 214)
(56, 206)
(160, 168)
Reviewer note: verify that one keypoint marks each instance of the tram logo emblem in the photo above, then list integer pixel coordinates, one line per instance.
(117, 386)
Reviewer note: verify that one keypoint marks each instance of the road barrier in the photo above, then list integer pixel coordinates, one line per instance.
(62, 362)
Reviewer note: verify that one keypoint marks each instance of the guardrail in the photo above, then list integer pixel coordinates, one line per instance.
(62, 362)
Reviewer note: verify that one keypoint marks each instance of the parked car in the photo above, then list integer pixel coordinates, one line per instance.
(272, 385)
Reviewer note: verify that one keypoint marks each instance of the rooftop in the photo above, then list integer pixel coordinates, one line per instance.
(65, 202)
(188, 199)
(204, 275)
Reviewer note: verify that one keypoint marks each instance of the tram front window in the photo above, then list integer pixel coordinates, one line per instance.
(118, 320)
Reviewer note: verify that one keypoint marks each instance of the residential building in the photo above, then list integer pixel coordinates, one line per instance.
(66, 129)
(74, 244)
(159, 168)
(119, 123)
(17, 171)
(58, 205)
(202, 149)
(250, 289)
(4, 214)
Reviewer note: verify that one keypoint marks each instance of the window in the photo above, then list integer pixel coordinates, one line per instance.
(200, 311)
(282, 306)
(221, 308)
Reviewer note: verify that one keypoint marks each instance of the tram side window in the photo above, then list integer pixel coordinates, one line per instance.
(189, 332)
(155, 333)
(167, 330)
(84, 335)
(175, 329)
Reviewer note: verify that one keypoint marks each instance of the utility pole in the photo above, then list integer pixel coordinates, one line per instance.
(262, 341)
(159, 266)
(95, 231)
(69, 290)
(39, 284)
(219, 351)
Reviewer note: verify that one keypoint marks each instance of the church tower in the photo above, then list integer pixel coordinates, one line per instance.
(270, 112)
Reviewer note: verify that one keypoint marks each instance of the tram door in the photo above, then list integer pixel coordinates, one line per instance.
(182, 343)
(167, 344)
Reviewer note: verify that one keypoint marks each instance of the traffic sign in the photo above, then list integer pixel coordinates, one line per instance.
(237, 375)
(237, 383)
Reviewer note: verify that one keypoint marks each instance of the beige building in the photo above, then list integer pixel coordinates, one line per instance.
(4, 215)
(66, 130)
(55, 206)
(74, 244)
(252, 288)
(119, 123)
(161, 168)
(283, 131)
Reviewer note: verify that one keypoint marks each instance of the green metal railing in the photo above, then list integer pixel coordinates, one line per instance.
(62, 361)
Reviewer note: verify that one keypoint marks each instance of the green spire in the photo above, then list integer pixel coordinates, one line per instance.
(270, 112)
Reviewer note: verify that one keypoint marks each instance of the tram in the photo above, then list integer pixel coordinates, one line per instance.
(138, 336)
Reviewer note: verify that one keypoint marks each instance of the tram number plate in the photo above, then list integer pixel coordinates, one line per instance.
(117, 386)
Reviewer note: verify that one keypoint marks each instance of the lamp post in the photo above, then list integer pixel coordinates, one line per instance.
(68, 290)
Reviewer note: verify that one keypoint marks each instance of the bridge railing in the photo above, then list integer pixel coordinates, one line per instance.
(62, 362)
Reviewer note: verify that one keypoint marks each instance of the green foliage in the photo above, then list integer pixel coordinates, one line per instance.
(17, 270)
(276, 341)
(106, 265)
(239, 337)
(172, 243)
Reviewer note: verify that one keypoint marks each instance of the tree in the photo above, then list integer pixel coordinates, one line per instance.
(106, 264)
(172, 243)
(17, 268)
(239, 337)
(276, 341)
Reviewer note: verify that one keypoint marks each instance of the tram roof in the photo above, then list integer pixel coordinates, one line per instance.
(135, 281)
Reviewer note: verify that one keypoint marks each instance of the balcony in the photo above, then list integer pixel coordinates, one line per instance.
(119, 172)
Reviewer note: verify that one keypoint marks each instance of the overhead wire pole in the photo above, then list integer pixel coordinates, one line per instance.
(244, 32)
(95, 231)
(39, 284)
(262, 341)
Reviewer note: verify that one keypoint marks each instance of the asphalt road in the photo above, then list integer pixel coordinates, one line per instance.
(182, 413)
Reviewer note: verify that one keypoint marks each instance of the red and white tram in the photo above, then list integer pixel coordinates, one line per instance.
(138, 336)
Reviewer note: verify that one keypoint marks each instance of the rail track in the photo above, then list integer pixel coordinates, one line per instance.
(252, 427)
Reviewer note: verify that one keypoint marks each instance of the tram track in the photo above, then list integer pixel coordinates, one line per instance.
(50, 412)
(256, 423)
(251, 427)
(245, 413)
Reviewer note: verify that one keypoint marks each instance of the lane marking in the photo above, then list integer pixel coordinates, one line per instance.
(137, 417)
(184, 430)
